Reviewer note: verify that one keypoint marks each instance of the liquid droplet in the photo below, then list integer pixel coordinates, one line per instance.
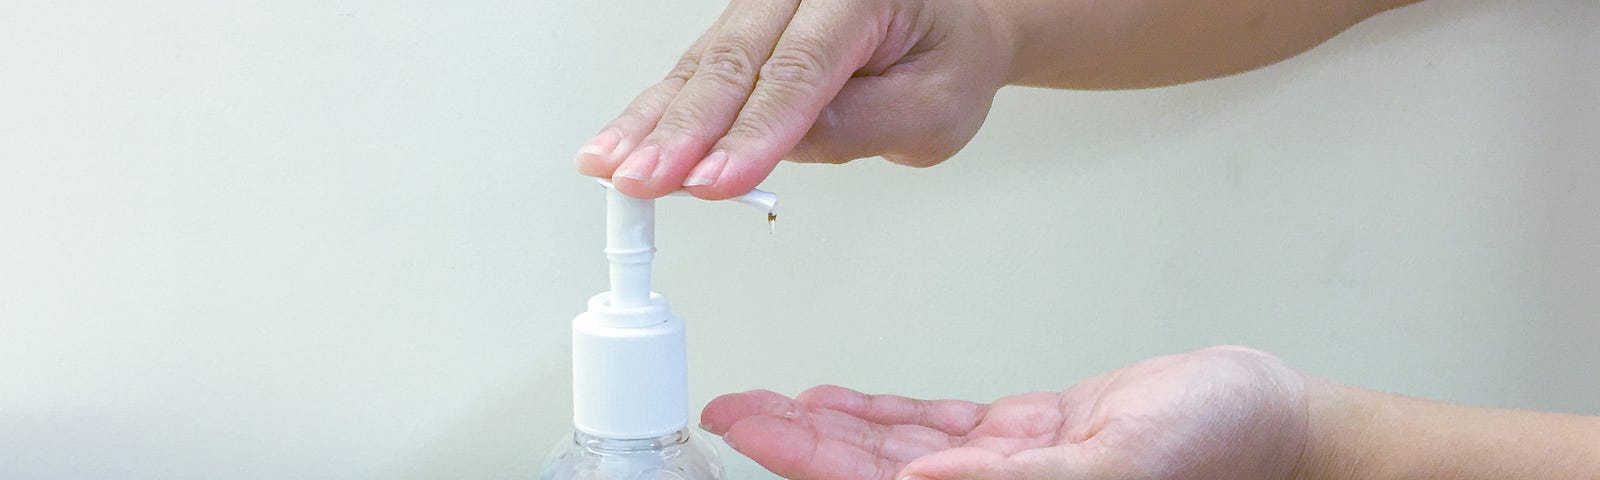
(772, 222)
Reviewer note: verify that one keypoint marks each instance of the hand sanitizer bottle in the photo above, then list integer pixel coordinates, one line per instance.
(629, 367)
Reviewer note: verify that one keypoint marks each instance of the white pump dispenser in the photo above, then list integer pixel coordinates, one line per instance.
(629, 365)
(629, 371)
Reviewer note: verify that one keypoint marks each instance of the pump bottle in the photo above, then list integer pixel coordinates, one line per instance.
(629, 367)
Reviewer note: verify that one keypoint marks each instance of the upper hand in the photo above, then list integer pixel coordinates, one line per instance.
(1224, 412)
(811, 81)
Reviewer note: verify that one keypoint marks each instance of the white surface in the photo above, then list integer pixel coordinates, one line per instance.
(343, 239)
(629, 370)
(630, 247)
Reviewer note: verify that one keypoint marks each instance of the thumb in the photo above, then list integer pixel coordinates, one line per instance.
(1065, 462)
(912, 120)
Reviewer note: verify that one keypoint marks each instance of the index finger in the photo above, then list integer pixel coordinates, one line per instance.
(823, 45)
(953, 417)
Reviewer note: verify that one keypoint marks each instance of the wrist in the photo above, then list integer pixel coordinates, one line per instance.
(1005, 35)
(1340, 426)
(1355, 433)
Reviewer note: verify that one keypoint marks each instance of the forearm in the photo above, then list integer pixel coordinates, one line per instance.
(1115, 44)
(1362, 434)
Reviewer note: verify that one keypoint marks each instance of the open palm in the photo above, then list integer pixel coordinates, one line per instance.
(1223, 412)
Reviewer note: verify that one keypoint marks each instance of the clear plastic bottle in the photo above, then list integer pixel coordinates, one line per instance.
(683, 455)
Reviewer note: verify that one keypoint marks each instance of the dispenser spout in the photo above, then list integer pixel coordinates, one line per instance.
(760, 199)
(763, 200)
(631, 239)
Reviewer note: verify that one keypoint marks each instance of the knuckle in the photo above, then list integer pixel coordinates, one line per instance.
(684, 119)
(775, 114)
(754, 125)
(732, 62)
(800, 66)
(684, 69)
(644, 109)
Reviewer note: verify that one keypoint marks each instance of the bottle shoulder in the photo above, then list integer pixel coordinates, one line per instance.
(682, 455)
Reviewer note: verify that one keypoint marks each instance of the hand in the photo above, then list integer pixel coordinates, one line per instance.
(812, 81)
(1224, 412)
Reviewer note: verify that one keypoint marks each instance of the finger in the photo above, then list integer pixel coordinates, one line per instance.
(952, 417)
(823, 45)
(724, 411)
(971, 463)
(708, 102)
(796, 451)
(601, 155)
(961, 464)
(899, 443)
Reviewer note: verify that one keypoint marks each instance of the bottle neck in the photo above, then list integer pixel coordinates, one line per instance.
(623, 445)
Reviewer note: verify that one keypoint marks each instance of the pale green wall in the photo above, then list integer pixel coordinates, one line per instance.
(312, 239)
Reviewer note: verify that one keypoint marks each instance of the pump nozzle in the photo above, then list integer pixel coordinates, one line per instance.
(761, 199)
(631, 239)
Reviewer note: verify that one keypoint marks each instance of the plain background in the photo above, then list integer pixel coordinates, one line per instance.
(343, 239)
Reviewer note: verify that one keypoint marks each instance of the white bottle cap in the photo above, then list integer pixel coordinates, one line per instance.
(629, 370)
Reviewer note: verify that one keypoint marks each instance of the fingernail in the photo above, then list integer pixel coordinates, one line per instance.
(729, 441)
(708, 170)
(640, 165)
(703, 426)
(600, 146)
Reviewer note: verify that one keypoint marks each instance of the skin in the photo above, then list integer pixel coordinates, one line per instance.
(1223, 412)
(1226, 412)
(912, 81)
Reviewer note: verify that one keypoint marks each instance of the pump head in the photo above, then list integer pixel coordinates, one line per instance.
(631, 239)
